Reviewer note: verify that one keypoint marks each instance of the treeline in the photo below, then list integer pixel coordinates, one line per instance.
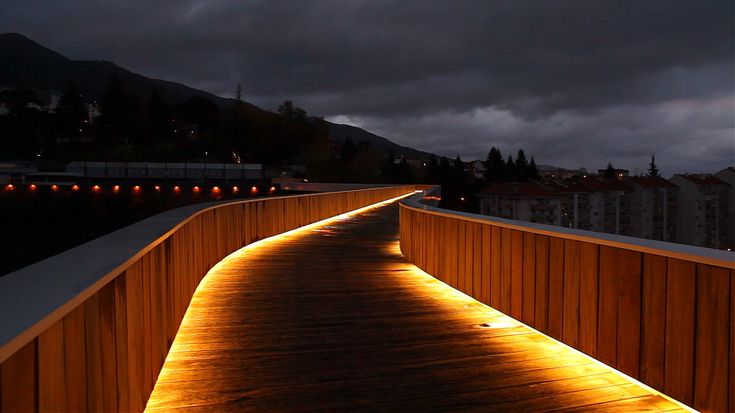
(498, 169)
(459, 189)
(130, 126)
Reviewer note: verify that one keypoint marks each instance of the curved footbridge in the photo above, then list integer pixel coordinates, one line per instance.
(283, 305)
(333, 318)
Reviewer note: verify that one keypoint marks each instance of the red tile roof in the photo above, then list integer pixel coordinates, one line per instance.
(518, 189)
(704, 179)
(599, 185)
(649, 182)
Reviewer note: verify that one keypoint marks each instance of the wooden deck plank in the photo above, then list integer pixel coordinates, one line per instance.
(334, 318)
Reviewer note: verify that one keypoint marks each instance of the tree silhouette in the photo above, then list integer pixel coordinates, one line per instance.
(533, 173)
(521, 167)
(289, 111)
(610, 172)
(653, 171)
(494, 166)
(509, 172)
(238, 93)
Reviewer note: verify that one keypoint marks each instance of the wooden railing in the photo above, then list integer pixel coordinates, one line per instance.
(662, 313)
(89, 329)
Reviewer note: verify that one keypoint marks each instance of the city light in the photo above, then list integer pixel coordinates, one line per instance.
(272, 190)
(54, 187)
(235, 189)
(215, 190)
(32, 187)
(96, 188)
(195, 189)
(177, 188)
(136, 188)
(254, 190)
(9, 187)
(75, 187)
(116, 188)
(157, 188)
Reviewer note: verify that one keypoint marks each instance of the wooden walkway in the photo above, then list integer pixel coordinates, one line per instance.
(334, 319)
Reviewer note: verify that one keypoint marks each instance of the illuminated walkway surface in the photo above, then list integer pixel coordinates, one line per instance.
(333, 318)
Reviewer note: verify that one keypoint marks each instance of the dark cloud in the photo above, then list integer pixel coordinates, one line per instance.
(570, 79)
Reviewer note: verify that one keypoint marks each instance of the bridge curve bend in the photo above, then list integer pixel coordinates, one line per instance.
(89, 329)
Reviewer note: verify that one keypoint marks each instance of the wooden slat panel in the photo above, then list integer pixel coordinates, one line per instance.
(108, 344)
(516, 274)
(529, 278)
(680, 307)
(477, 261)
(145, 299)
(570, 325)
(496, 268)
(18, 392)
(121, 343)
(629, 312)
(653, 324)
(93, 345)
(607, 327)
(453, 248)
(459, 247)
(444, 259)
(588, 293)
(486, 253)
(541, 318)
(75, 360)
(137, 370)
(51, 372)
(556, 287)
(711, 344)
(506, 253)
(469, 251)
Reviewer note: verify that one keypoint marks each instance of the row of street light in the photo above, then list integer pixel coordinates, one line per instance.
(138, 189)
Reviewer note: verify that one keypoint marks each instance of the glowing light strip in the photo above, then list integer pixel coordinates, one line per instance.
(508, 323)
(308, 227)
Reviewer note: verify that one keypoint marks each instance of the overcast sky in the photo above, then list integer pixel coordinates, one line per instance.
(575, 83)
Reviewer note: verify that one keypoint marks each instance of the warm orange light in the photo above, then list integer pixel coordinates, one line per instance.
(157, 188)
(177, 189)
(215, 190)
(136, 188)
(9, 187)
(54, 187)
(195, 189)
(254, 190)
(32, 187)
(116, 188)
(235, 189)
(75, 187)
(96, 188)
(272, 190)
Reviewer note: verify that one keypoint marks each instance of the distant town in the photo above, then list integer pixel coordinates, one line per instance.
(693, 209)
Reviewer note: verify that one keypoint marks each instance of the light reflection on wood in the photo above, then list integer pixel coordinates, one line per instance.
(333, 318)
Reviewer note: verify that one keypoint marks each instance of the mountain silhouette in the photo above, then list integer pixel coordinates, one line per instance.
(27, 64)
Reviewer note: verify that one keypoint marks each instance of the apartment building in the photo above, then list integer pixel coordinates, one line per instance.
(521, 201)
(702, 212)
(653, 208)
